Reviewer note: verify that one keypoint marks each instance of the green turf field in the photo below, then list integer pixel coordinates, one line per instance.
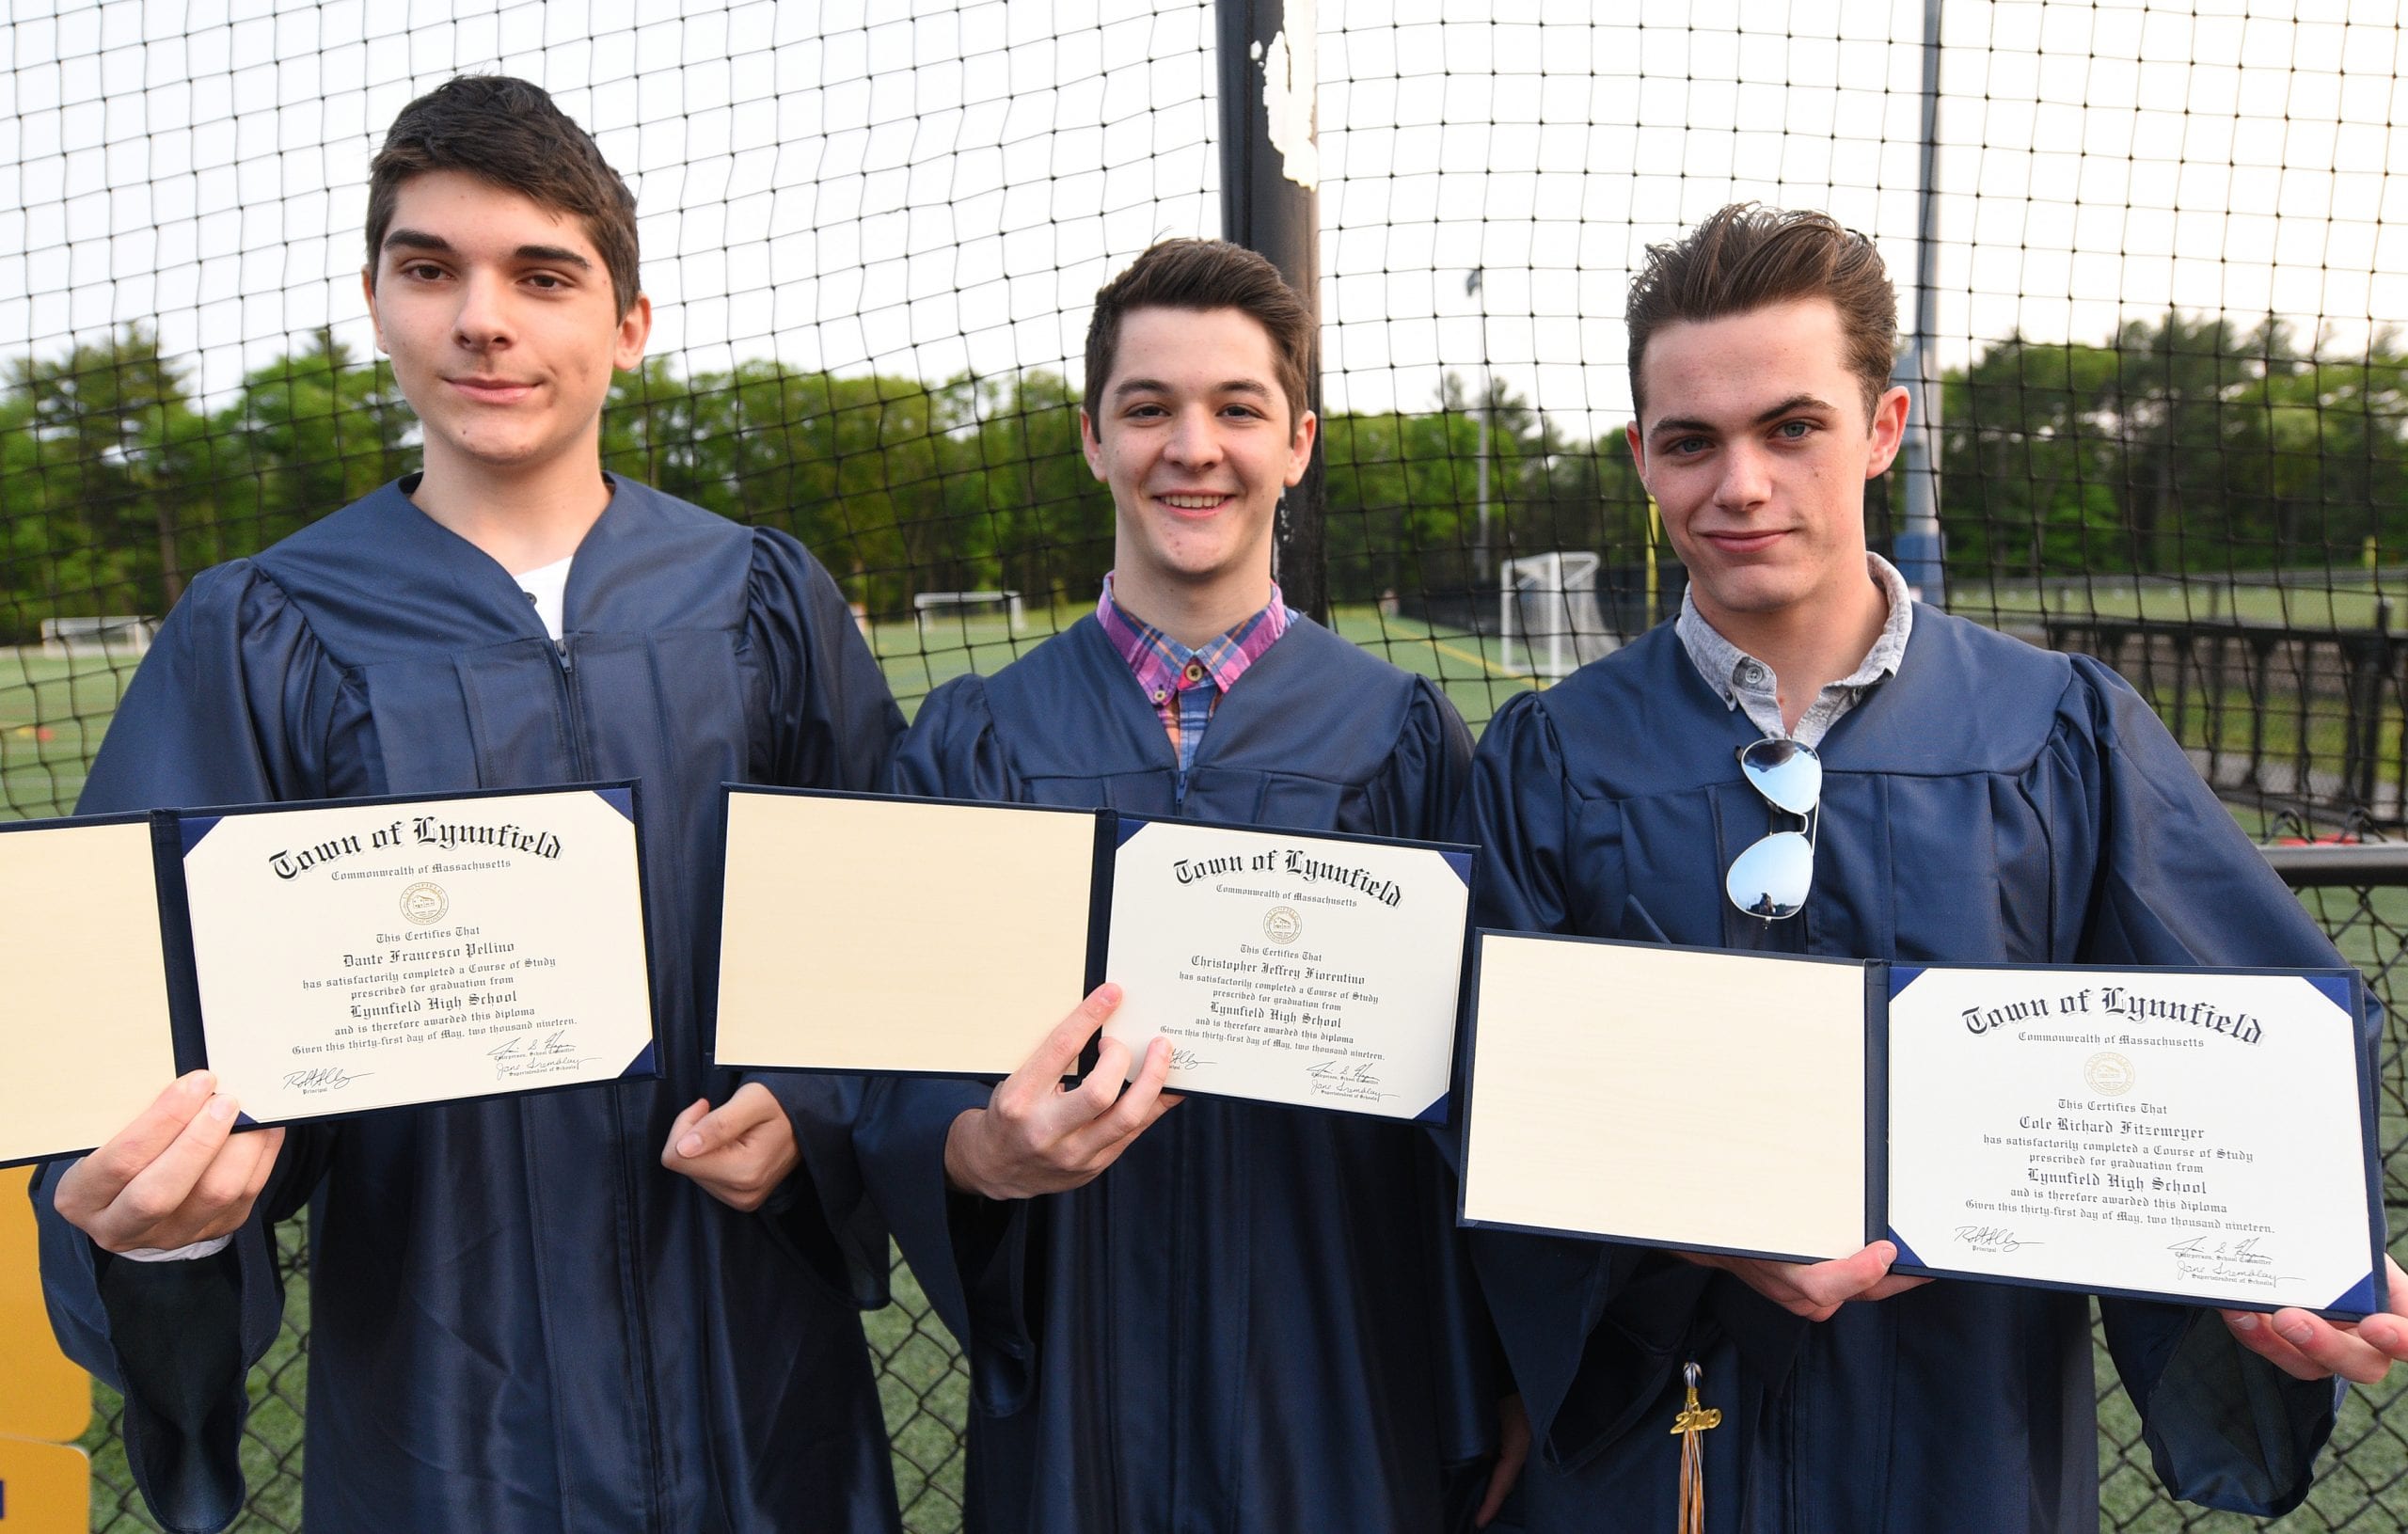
(2314, 599)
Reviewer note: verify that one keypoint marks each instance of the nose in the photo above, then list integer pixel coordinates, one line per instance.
(481, 322)
(1745, 481)
(1193, 442)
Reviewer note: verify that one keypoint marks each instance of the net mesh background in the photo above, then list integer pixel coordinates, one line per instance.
(2170, 257)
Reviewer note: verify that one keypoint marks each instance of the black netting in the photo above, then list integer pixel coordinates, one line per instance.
(2154, 294)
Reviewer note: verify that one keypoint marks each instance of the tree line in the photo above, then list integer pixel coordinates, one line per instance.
(2181, 443)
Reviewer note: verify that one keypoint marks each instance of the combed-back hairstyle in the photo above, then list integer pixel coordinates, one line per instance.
(1747, 257)
(1201, 275)
(508, 131)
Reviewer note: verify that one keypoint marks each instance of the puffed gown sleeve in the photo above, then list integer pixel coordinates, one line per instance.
(836, 727)
(2177, 883)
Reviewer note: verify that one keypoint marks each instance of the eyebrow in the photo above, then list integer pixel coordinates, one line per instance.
(421, 240)
(1155, 386)
(1789, 406)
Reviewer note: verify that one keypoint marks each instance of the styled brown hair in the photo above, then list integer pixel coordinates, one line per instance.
(508, 131)
(1747, 257)
(1200, 275)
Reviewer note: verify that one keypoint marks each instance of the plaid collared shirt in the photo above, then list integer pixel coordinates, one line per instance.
(1183, 684)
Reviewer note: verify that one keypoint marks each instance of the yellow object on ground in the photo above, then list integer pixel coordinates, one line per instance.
(45, 1402)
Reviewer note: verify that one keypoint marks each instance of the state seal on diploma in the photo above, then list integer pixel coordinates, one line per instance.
(324, 960)
(2204, 1136)
(870, 933)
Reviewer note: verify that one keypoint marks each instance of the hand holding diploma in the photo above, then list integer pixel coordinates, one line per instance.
(176, 1175)
(2307, 1347)
(1037, 1136)
(739, 1151)
(1815, 1290)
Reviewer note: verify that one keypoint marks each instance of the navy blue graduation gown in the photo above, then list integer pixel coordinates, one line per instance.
(1258, 1319)
(519, 1320)
(1991, 803)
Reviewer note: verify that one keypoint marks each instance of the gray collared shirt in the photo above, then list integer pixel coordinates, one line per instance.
(1744, 681)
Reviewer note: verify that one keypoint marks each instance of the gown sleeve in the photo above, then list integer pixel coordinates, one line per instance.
(1592, 1332)
(835, 726)
(2177, 883)
(969, 1253)
(230, 706)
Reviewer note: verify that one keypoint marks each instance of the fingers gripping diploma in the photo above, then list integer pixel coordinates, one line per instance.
(1037, 1136)
(740, 1152)
(1816, 1289)
(176, 1175)
(2307, 1347)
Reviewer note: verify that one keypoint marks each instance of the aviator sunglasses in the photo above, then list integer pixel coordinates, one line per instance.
(1770, 878)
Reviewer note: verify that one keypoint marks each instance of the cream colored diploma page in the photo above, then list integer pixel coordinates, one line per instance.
(898, 935)
(1290, 969)
(86, 1032)
(1667, 1097)
(360, 957)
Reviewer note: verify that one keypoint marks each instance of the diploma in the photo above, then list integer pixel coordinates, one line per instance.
(355, 957)
(1318, 972)
(323, 959)
(867, 933)
(2201, 1137)
(2196, 1136)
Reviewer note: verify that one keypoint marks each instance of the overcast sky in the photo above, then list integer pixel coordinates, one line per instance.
(935, 186)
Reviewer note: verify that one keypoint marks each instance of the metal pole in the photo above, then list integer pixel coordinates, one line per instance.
(1474, 286)
(1480, 547)
(1270, 173)
(1920, 545)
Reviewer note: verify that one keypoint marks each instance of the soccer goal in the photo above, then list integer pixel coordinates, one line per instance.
(1547, 609)
(956, 609)
(72, 638)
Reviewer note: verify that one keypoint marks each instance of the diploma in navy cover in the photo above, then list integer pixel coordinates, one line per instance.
(2197, 1135)
(324, 959)
(869, 933)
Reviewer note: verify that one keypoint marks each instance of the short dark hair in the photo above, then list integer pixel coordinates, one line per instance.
(1747, 257)
(508, 131)
(1202, 275)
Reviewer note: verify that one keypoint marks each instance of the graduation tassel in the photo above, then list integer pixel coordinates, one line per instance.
(1693, 1420)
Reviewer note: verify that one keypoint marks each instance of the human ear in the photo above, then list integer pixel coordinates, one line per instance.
(1889, 431)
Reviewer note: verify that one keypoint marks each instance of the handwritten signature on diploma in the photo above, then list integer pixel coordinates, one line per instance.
(322, 1079)
(1344, 1079)
(1992, 1239)
(530, 1054)
(1186, 1060)
(2225, 1262)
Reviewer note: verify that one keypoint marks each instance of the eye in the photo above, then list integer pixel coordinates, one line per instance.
(1687, 446)
(546, 281)
(1146, 410)
(420, 271)
(1794, 431)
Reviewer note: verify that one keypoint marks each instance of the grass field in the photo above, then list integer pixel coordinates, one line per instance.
(2316, 599)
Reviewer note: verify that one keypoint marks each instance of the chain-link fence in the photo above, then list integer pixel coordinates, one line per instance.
(2150, 259)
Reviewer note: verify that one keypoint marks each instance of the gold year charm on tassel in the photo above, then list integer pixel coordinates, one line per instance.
(1693, 1420)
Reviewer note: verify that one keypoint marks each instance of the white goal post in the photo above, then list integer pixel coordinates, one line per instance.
(929, 603)
(68, 638)
(1548, 605)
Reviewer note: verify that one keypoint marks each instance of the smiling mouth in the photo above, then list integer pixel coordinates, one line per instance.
(1196, 502)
